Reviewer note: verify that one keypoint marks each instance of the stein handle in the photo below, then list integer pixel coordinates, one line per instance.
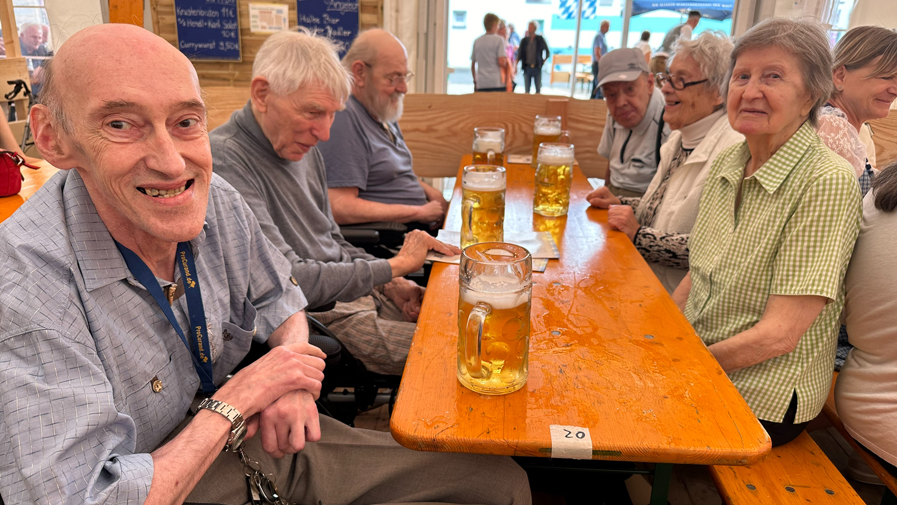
(490, 157)
(467, 216)
(473, 349)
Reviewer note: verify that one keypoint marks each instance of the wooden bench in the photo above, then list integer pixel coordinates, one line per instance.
(797, 472)
(889, 480)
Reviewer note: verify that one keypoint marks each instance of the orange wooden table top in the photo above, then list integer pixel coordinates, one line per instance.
(609, 351)
(34, 179)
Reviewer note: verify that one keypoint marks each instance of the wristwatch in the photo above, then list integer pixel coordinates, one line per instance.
(238, 426)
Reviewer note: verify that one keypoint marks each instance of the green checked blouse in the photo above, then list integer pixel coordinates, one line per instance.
(793, 234)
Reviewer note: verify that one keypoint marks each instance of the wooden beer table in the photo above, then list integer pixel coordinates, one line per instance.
(612, 361)
(34, 179)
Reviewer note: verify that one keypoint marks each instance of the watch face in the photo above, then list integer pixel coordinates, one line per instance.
(238, 437)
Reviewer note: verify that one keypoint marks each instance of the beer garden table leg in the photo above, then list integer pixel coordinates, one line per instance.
(663, 473)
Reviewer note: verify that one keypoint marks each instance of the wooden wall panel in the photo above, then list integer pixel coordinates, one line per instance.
(439, 128)
(126, 11)
(239, 74)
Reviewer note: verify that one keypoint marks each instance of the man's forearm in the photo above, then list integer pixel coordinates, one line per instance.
(355, 210)
(292, 331)
(181, 463)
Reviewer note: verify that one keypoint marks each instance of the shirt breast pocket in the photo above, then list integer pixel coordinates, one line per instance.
(235, 338)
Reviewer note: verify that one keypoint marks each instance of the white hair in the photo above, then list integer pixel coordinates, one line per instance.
(293, 59)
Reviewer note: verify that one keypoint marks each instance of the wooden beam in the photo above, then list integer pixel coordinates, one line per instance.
(10, 30)
(126, 11)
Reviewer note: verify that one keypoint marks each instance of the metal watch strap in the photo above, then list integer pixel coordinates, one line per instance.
(238, 426)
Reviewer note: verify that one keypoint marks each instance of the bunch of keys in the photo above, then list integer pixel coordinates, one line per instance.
(261, 488)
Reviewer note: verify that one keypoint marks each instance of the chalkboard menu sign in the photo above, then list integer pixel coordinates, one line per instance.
(208, 29)
(335, 19)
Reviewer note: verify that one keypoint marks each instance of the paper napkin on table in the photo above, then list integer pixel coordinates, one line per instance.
(539, 244)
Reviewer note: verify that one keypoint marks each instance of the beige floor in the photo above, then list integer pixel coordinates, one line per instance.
(691, 484)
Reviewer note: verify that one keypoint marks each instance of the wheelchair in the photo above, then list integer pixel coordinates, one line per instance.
(384, 239)
(342, 372)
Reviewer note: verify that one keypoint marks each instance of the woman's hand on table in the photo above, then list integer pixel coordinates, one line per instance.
(622, 218)
(602, 198)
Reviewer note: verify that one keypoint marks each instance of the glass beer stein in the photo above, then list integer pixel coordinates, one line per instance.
(494, 317)
(554, 176)
(545, 129)
(489, 146)
(482, 204)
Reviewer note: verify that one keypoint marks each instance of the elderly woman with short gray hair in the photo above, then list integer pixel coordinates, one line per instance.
(659, 222)
(779, 215)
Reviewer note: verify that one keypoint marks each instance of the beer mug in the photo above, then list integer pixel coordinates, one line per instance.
(554, 176)
(545, 129)
(482, 204)
(489, 146)
(496, 283)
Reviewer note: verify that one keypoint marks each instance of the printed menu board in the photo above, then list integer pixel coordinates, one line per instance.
(208, 29)
(335, 19)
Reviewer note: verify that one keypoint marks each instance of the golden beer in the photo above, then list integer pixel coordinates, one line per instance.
(488, 146)
(499, 362)
(488, 152)
(545, 129)
(482, 204)
(554, 177)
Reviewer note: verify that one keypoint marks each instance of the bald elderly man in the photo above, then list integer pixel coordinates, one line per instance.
(370, 175)
(133, 282)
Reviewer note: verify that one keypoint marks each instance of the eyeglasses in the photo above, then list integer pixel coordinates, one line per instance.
(395, 79)
(676, 83)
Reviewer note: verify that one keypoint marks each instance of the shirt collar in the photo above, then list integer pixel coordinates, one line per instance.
(98, 259)
(774, 172)
(776, 169)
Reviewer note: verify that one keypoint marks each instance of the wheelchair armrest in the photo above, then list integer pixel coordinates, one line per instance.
(359, 236)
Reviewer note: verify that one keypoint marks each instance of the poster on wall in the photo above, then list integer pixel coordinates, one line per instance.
(335, 19)
(208, 30)
(268, 18)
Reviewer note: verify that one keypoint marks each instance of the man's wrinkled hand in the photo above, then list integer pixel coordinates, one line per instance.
(288, 423)
(414, 251)
(406, 295)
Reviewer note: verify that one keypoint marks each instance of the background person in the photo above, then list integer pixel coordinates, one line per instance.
(599, 49)
(635, 129)
(489, 57)
(659, 223)
(680, 32)
(532, 54)
(370, 170)
(645, 46)
(778, 219)
(866, 391)
(509, 73)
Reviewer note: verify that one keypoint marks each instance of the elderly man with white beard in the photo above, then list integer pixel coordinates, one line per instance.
(369, 167)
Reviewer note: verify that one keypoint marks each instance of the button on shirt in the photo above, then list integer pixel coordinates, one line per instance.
(632, 155)
(793, 234)
(372, 156)
(84, 347)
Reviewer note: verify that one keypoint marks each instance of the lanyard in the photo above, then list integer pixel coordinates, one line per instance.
(199, 344)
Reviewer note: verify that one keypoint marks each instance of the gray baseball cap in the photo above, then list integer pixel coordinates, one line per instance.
(625, 64)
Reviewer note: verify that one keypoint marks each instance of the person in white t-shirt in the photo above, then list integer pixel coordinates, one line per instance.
(489, 57)
(645, 46)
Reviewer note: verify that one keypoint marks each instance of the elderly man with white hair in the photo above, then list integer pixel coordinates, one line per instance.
(370, 173)
(267, 151)
(133, 282)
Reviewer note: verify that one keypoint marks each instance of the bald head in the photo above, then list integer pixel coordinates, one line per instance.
(373, 45)
(139, 53)
(605, 26)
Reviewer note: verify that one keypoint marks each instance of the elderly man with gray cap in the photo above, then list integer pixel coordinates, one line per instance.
(635, 129)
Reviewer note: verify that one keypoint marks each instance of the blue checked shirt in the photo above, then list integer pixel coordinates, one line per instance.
(82, 342)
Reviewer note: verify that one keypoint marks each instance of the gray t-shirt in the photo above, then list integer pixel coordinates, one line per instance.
(487, 49)
(632, 155)
(362, 154)
(289, 199)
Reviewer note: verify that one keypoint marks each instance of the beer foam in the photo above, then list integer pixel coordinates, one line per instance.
(555, 159)
(495, 291)
(485, 145)
(547, 129)
(483, 181)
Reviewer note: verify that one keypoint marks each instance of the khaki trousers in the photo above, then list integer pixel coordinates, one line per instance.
(355, 466)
